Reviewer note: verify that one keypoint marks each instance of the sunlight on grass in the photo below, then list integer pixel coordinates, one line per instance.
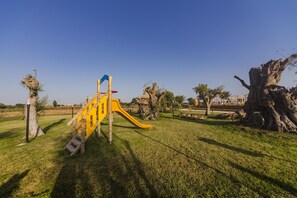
(178, 158)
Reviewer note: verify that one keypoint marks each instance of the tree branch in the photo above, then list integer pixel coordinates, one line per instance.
(161, 97)
(217, 93)
(148, 92)
(242, 82)
(288, 60)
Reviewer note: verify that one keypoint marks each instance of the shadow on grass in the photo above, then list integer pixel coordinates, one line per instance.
(8, 134)
(284, 186)
(233, 148)
(213, 122)
(104, 171)
(126, 127)
(231, 178)
(179, 152)
(135, 167)
(12, 184)
(11, 118)
(240, 150)
(210, 121)
(66, 180)
(47, 128)
(137, 115)
(116, 125)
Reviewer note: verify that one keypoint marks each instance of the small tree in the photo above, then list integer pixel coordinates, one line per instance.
(40, 105)
(167, 100)
(191, 101)
(179, 99)
(133, 101)
(207, 95)
(55, 104)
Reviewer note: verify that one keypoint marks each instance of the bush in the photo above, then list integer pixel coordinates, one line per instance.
(2, 106)
(19, 105)
(55, 104)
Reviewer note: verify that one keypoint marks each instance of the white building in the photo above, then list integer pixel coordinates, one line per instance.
(232, 100)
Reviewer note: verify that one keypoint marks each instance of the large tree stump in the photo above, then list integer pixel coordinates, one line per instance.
(269, 105)
(32, 84)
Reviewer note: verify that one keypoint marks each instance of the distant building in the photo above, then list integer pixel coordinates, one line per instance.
(232, 100)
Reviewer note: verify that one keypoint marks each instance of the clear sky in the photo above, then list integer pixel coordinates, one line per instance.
(177, 44)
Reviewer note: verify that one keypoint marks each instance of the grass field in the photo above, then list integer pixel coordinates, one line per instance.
(178, 158)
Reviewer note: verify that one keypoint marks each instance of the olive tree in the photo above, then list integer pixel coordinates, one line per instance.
(155, 97)
(269, 105)
(207, 95)
(191, 101)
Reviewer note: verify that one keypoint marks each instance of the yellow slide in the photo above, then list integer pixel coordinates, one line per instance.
(88, 119)
(116, 107)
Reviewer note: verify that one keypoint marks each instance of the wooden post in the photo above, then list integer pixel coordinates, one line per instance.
(98, 109)
(110, 108)
(72, 111)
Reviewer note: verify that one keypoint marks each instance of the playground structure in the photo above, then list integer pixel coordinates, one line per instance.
(89, 118)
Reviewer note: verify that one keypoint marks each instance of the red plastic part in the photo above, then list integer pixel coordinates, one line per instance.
(113, 91)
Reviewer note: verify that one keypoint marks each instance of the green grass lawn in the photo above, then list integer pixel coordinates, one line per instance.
(178, 158)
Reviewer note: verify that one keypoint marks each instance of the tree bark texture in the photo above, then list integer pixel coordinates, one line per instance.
(207, 110)
(270, 106)
(154, 103)
(32, 84)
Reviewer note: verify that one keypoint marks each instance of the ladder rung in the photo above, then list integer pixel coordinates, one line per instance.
(70, 148)
(75, 142)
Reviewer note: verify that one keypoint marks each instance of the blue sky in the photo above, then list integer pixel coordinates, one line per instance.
(177, 44)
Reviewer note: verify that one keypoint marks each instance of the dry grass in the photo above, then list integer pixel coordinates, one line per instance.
(10, 113)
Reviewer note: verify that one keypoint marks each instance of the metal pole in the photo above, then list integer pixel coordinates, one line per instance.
(28, 122)
(72, 111)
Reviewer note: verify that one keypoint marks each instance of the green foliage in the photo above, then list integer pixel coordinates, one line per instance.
(167, 100)
(134, 101)
(2, 106)
(225, 95)
(191, 101)
(179, 99)
(40, 105)
(176, 106)
(55, 103)
(19, 105)
(205, 93)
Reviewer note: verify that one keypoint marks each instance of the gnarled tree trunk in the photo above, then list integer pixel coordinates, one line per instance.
(269, 105)
(32, 84)
(154, 102)
(207, 105)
